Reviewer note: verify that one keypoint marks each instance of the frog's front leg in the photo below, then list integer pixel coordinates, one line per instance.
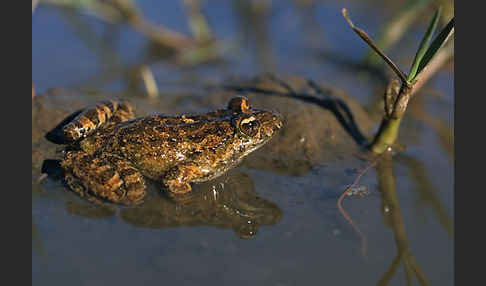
(103, 176)
(105, 114)
(178, 178)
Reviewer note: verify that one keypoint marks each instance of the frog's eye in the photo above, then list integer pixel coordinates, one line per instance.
(249, 126)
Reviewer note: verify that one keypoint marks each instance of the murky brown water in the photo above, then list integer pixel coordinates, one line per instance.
(273, 220)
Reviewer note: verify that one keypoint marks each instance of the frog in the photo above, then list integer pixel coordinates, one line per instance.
(111, 153)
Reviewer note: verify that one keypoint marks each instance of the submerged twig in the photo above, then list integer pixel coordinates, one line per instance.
(346, 216)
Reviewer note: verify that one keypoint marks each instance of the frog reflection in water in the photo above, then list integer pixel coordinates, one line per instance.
(111, 152)
(228, 202)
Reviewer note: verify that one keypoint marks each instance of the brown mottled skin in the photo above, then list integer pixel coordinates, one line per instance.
(114, 152)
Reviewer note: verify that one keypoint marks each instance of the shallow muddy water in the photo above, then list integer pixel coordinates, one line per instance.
(274, 219)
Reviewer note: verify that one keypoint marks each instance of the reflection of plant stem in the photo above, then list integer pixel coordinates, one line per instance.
(346, 216)
(393, 218)
(388, 275)
(427, 191)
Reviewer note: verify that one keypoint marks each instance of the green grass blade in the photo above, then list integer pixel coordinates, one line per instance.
(424, 45)
(436, 44)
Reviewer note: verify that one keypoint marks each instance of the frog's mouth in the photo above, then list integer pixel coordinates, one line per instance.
(272, 124)
(252, 144)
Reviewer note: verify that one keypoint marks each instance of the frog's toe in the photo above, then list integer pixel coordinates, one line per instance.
(177, 187)
(74, 184)
(133, 182)
(136, 192)
(78, 187)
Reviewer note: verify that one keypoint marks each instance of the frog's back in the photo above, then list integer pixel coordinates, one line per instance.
(158, 143)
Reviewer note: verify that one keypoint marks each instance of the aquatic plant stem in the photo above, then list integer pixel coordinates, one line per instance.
(396, 101)
(388, 131)
(386, 136)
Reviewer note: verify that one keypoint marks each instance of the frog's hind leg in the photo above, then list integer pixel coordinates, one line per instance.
(103, 177)
(178, 178)
(90, 119)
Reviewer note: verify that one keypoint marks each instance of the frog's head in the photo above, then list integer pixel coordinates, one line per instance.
(254, 127)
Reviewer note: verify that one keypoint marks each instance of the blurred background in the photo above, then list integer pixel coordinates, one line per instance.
(158, 52)
(104, 45)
